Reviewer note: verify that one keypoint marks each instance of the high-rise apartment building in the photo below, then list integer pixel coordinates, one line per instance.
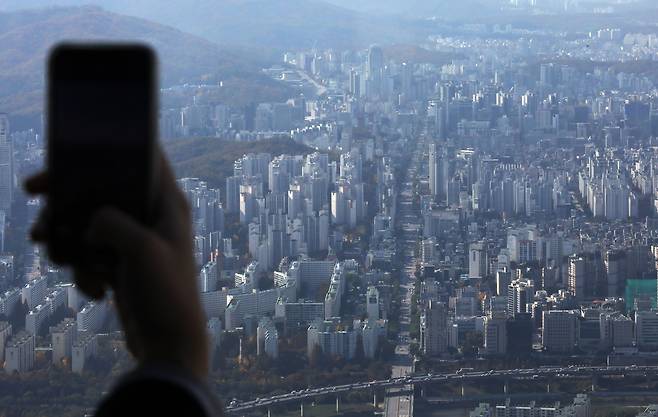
(616, 330)
(561, 330)
(520, 293)
(372, 303)
(495, 335)
(34, 291)
(646, 329)
(503, 280)
(5, 334)
(6, 166)
(297, 315)
(477, 260)
(577, 278)
(434, 329)
(326, 337)
(19, 353)
(63, 335)
(267, 338)
(84, 347)
(92, 316)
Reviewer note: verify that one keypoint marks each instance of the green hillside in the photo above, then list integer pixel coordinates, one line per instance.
(211, 159)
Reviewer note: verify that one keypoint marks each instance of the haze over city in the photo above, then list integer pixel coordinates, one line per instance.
(420, 208)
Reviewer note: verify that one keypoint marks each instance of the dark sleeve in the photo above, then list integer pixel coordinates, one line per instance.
(159, 391)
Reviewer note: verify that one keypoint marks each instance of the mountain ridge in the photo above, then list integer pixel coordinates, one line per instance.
(275, 23)
(27, 36)
(445, 9)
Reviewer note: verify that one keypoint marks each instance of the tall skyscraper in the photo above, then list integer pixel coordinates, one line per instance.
(519, 296)
(375, 61)
(233, 194)
(406, 80)
(6, 166)
(355, 83)
(19, 353)
(585, 276)
(374, 71)
(495, 334)
(614, 262)
(439, 172)
(267, 338)
(432, 169)
(372, 303)
(561, 330)
(477, 260)
(434, 329)
(503, 280)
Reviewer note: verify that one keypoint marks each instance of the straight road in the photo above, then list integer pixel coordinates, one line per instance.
(409, 222)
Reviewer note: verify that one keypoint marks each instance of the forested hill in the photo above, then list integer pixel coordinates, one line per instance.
(211, 159)
(26, 36)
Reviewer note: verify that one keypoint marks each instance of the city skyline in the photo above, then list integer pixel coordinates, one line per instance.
(461, 221)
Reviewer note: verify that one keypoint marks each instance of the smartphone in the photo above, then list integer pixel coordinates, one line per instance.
(102, 128)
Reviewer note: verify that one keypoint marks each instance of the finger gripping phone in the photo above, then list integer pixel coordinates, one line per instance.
(102, 127)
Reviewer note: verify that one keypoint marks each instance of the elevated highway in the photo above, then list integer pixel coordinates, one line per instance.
(458, 377)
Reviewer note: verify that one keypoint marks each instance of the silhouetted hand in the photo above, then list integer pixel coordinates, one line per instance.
(154, 279)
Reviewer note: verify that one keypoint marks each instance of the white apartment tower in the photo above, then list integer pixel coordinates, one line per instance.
(19, 353)
(477, 260)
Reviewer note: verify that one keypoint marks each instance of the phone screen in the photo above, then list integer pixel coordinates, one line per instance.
(101, 134)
